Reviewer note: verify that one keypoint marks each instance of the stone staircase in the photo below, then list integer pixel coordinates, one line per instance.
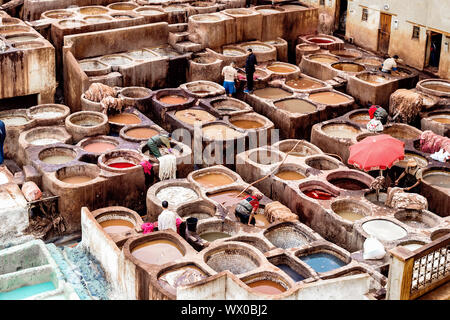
(179, 39)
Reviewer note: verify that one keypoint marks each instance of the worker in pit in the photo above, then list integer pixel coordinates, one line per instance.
(157, 141)
(229, 74)
(246, 209)
(2, 140)
(413, 175)
(167, 219)
(250, 65)
(379, 113)
(390, 64)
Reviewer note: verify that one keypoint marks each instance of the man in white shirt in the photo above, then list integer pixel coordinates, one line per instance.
(167, 219)
(390, 64)
(229, 73)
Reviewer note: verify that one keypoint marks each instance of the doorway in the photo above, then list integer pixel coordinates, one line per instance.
(341, 16)
(384, 33)
(433, 55)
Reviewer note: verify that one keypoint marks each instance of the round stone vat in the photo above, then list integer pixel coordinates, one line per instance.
(92, 10)
(272, 93)
(330, 98)
(303, 84)
(350, 180)
(217, 229)
(49, 114)
(360, 117)
(232, 51)
(26, 45)
(350, 210)
(318, 190)
(435, 87)
(98, 19)
(323, 58)
(213, 178)
(374, 78)
(228, 198)
(77, 174)
(154, 249)
(379, 201)
(172, 97)
(232, 256)
(265, 10)
(290, 172)
(371, 62)
(199, 210)
(123, 16)
(384, 230)
(98, 144)
(138, 97)
(341, 130)
(10, 21)
(437, 177)
(16, 118)
(347, 53)
(21, 37)
(172, 277)
(287, 235)
(238, 12)
(14, 29)
(266, 283)
(116, 60)
(417, 219)
(205, 18)
(150, 11)
(217, 131)
(441, 117)
(264, 52)
(421, 161)
(119, 120)
(121, 160)
(283, 69)
(256, 242)
(118, 220)
(72, 23)
(402, 131)
(202, 89)
(202, 67)
(296, 105)
(439, 233)
(304, 49)
(139, 133)
(195, 115)
(40, 136)
(57, 155)
(58, 14)
(86, 124)
(252, 122)
(93, 67)
(302, 149)
(412, 245)
(230, 106)
(323, 259)
(348, 67)
(265, 157)
(176, 195)
(141, 54)
(322, 163)
(122, 6)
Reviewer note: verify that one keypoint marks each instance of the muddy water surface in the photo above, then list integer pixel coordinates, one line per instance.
(247, 124)
(272, 93)
(303, 84)
(191, 116)
(116, 225)
(77, 179)
(290, 175)
(328, 98)
(99, 147)
(296, 106)
(211, 180)
(173, 99)
(142, 133)
(267, 287)
(157, 252)
(124, 118)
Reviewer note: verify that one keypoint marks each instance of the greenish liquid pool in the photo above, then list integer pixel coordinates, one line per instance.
(27, 291)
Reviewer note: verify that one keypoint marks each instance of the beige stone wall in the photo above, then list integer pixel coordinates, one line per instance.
(327, 15)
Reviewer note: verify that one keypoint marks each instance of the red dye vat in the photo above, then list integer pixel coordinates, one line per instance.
(320, 40)
(121, 165)
(319, 195)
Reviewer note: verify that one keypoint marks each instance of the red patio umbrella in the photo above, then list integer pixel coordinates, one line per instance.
(376, 152)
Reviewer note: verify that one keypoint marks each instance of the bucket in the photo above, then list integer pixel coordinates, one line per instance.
(192, 224)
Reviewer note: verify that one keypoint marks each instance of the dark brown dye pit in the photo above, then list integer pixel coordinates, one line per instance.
(348, 184)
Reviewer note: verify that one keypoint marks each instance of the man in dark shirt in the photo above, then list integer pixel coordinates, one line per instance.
(2, 139)
(250, 70)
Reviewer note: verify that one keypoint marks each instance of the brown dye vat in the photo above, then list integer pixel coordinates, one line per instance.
(348, 184)
(116, 226)
(220, 132)
(99, 147)
(59, 15)
(210, 180)
(272, 93)
(142, 133)
(93, 11)
(296, 106)
(246, 124)
(374, 79)
(361, 118)
(228, 198)
(442, 120)
(290, 175)
(324, 59)
(123, 6)
(437, 87)
(22, 38)
(421, 161)
(261, 221)
(124, 118)
(267, 287)
(348, 67)
(303, 84)
(213, 236)
(183, 276)
(173, 99)
(438, 178)
(280, 69)
(157, 252)
(341, 131)
(349, 215)
(191, 116)
(370, 62)
(76, 179)
(328, 98)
